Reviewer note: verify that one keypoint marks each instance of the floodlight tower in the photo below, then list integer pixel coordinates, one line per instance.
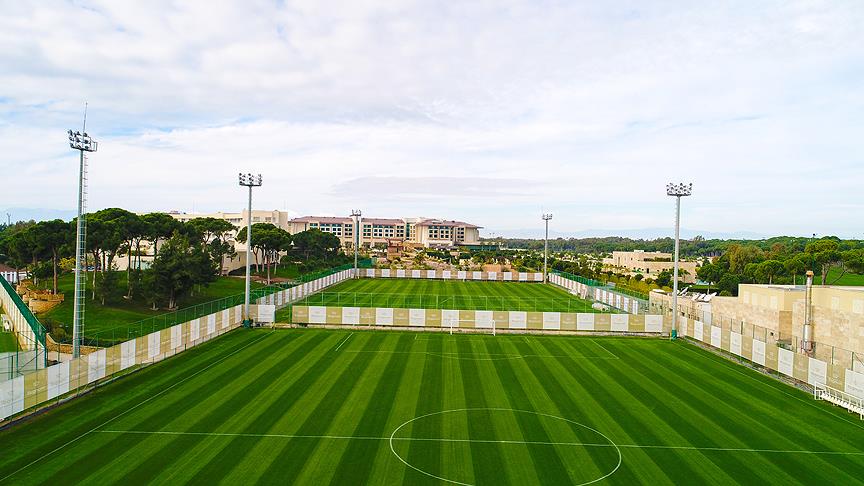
(81, 142)
(249, 181)
(546, 218)
(677, 191)
(356, 213)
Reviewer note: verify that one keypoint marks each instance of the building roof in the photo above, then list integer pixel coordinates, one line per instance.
(6, 268)
(383, 221)
(441, 222)
(321, 219)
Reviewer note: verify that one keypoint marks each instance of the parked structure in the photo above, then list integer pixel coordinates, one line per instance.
(649, 264)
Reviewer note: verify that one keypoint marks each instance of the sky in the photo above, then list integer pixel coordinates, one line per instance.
(491, 112)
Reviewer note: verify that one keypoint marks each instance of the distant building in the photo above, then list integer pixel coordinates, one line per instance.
(425, 232)
(649, 263)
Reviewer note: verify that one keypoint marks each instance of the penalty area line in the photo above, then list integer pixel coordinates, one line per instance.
(343, 341)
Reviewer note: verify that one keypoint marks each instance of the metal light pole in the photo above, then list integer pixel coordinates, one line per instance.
(546, 218)
(249, 181)
(81, 142)
(356, 213)
(677, 191)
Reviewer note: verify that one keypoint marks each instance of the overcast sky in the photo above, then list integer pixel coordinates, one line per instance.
(489, 112)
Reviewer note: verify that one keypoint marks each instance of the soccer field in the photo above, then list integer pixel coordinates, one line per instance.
(445, 294)
(313, 406)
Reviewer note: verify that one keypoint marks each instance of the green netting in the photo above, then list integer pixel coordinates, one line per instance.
(449, 301)
(163, 321)
(605, 286)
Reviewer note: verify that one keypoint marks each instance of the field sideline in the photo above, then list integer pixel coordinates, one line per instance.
(314, 406)
(445, 294)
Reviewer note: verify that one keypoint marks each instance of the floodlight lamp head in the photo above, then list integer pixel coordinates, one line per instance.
(679, 190)
(81, 141)
(547, 217)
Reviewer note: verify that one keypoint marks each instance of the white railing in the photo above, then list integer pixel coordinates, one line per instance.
(840, 398)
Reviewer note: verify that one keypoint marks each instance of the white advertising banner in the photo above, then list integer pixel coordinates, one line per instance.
(58, 378)
(785, 361)
(267, 313)
(477, 275)
(127, 354)
(697, 330)
(715, 336)
(735, 343)
(508, 276)
(415, 273)
(153, 344)
(445, 274)
(211, 321)
(384, 316)
(351, 315)
(11, 396)
(817, 371)
(194, 329)
(584, 321)
(620, 322)
(317, 314)
(430, 273)
(653, 323)
(483, 320)
(523, 277)
(854, 383)
(417, 317)
(176, 336)
(518, 320)
(449, 318)
(758, 352)
(552, 321)
(400, 273)
(492, 275)
(462, 275)
(370, 272)
(96, 365)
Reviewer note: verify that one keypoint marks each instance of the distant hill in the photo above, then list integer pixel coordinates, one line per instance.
(637, 234)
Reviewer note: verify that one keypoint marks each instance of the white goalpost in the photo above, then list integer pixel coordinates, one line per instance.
(451, 324)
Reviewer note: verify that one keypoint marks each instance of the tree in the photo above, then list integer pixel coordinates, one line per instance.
(107, 286)
(795, 266)
(178, 268)
(51, 237)
(160, 226)
(826, 254)
(664, 278)
(769, 269)
(214, 234)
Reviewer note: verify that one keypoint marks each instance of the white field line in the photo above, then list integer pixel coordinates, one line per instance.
(810, 403)
(343, 342)
(605, 349)
(166, 390)
(482, 441)
(483, 356)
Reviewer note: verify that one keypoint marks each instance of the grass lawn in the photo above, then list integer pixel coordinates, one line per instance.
(337, 407)
(8, 342)
(122, 312)
(445, 294)
(851, 279)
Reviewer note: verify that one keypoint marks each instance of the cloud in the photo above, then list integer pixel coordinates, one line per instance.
(583, 108)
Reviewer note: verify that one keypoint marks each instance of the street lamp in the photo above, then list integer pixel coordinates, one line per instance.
(546, 218)
(81, 142)
(249, 181)
(677, 191)
(356, 213)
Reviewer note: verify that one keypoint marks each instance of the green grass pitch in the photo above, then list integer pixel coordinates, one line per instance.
(446, 294)
(311, 406)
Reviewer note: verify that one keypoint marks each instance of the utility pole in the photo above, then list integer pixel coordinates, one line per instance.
(356, 213)
(677, 191)
(249, 181)
(81, 142)
(546, 218)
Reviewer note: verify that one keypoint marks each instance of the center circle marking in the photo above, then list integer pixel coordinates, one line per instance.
(495, 409)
